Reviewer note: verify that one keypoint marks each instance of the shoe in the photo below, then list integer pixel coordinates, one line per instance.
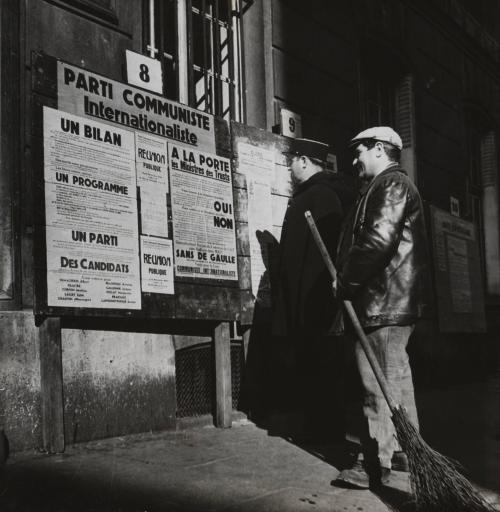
(384, 477)
(355, 477)
(378, 476)
(399, 462)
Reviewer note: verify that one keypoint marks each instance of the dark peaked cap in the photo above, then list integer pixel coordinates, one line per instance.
(307, 147)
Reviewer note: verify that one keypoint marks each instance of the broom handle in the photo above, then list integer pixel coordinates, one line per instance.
(372, 358)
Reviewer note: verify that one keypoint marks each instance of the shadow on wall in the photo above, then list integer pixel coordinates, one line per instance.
(260, 372)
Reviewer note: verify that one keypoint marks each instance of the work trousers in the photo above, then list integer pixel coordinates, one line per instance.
(389, 344)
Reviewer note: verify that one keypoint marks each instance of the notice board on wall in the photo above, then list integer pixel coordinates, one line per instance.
(134, 202)
(458, 275)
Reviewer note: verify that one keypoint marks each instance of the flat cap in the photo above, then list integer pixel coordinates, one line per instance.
(307, 147)
(379, 133)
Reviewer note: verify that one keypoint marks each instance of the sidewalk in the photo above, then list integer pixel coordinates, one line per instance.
(202, 469)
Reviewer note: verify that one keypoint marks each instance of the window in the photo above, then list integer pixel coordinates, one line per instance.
(490, 211)
(102, 9)
(483, 199)
(377, 96)
(198, 43)
(474, 185)
(387, 99)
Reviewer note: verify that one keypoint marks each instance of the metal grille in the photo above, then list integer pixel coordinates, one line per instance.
(237, 361)
(210, 55)
(195, 379)
(160, 41)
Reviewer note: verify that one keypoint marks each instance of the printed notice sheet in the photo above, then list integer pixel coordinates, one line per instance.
(152, 180)
(457, 268)
(91, 214)
(157, 265)
(460, 284)
(202, 214)
(258, 166)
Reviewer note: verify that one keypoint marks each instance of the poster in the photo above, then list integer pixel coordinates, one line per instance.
(258, 166)
(151, 162)
(91, 214)
(202, 214)
(458, 275)
(152, 179)
(88, 94)
(157, 265)
(460, 285)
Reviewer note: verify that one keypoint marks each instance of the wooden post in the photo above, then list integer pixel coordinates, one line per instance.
(223, 398)
(10, 149)
(51, 385)
(246, 341)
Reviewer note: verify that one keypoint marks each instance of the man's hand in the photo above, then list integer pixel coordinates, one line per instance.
(334, 287)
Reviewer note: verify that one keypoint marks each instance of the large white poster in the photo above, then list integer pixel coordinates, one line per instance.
(82, 92)
(457, 268)
(152, 180)
(157, 265)
(202, 214)
(258, 166)
(91, 214)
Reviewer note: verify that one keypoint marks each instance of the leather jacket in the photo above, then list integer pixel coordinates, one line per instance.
(382, 258)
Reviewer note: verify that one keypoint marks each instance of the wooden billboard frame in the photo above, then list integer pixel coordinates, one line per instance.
(199, 307)
(194, 299)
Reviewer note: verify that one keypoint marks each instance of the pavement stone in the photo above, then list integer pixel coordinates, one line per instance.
(203, 469)
(243, 469)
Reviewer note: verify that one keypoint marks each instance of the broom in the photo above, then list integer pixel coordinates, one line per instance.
(436, 483)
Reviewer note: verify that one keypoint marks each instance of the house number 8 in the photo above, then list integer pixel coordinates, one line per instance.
(144, 74)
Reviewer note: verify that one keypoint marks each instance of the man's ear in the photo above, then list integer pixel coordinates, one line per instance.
(303, 160)
(380, 148)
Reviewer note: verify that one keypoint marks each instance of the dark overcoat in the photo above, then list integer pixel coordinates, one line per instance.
(303, 298)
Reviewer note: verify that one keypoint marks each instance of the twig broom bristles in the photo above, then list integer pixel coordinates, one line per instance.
(436, 483)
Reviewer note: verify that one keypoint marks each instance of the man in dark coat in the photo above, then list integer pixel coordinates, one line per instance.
(382, 269)
(304, 305)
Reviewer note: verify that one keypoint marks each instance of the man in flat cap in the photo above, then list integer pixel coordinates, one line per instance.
(382, 269)
(302, 294)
